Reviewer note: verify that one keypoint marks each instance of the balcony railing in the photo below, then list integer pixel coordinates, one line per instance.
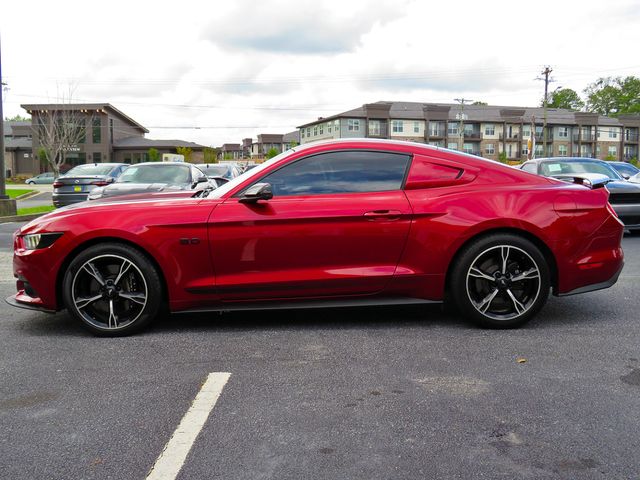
(509, 136)
(436, 133)
(472, 136)
(585, 137)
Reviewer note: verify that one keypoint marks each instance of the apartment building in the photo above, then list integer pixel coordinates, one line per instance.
(484, 130)
(18, 157)
(277, 141)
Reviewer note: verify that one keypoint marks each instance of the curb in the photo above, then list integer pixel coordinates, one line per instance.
(21, 218)
(26, 196)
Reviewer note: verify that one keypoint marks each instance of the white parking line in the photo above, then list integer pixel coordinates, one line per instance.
(172, 458)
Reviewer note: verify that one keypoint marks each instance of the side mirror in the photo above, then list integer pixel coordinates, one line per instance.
(258, 191)
(198, 181)
(626, 176)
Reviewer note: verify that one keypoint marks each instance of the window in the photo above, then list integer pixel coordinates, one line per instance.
(467, 148)
(321, 127)
(96, 124)
(612, 151)
(340, 172)
(525, 149)
(315, 131)
(336, 124)
(97, 157)
(308, 131)
(436, 129)
(302, 133)
(416, 127)
(397, 126)
(452, 129)
(613, 133)
(452, 145)
(353, 125)
(526, 130)
(489, 149)
(530, 167)
(490, 129)
(562, 150)
(563, 132)
(374, 127)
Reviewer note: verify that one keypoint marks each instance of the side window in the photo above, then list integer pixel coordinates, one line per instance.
(530, 167)
(340, 172)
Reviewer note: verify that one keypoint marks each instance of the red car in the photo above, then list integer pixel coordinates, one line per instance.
(352, 222)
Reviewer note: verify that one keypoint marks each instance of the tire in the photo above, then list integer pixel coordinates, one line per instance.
(112, 289)
(31, 183)
(500, 281)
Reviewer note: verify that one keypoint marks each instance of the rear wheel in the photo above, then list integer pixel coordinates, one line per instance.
(113, 289)
(500, 281)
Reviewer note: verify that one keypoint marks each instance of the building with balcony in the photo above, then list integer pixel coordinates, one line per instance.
(485, 130)
(107, 135)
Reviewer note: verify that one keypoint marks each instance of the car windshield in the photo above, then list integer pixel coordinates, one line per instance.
(160, 173)
(90, 169)
(223, 189)
(555, 168)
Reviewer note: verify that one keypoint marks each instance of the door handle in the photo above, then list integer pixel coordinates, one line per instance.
(383, 215)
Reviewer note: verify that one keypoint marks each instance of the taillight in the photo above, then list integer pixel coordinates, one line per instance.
(100, 183)
(611, 210)
(57, 184)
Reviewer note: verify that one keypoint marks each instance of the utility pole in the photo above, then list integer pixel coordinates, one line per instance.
(546, 72)
(7, 205)
(462, 101)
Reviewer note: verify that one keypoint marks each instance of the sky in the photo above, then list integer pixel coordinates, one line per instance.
(215, 72)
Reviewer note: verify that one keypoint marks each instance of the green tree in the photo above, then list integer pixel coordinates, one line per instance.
(210, 155)
(614, 95)
(153, 154)
(271, 153)
(502, 157)
(564, 98)
(227, 156)
(18, 118)
(186, 152)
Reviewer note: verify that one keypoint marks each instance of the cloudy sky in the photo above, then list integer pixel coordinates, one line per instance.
(215, 72)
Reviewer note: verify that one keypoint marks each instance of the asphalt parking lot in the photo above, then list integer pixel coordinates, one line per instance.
(377, 393)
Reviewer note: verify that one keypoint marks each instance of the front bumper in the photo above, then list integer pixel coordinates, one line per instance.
(27, 303)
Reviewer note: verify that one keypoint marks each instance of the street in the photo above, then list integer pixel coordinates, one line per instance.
(393, 393)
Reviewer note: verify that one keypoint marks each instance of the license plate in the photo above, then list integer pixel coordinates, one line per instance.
(77, 189)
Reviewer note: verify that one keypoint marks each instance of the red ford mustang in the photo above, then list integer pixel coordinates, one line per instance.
(352, 222)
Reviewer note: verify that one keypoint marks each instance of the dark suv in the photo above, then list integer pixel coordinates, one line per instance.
(75, 185)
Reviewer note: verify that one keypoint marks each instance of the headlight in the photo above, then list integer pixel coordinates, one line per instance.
(35, 241)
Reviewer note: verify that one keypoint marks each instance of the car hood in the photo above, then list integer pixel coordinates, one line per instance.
(622, 186)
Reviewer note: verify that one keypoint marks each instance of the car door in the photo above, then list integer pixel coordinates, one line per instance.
(336, 225)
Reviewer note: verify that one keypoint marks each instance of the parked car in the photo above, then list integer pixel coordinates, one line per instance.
(155, 177)
(342, 223)
(625, 169)
(43, 178)
(75, 185)
(224, 170)
(635, 178)
(624, 197)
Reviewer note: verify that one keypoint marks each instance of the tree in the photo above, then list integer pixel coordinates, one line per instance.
(210, 155)
(564, 98)
(153, 154)
(271, 153)
(478, 102)
(18, 118)
(59, 131)
(185, 152)
(614, 95)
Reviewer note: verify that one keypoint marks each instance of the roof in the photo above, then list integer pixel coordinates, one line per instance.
(9, 127)
(474, 113)
(145, 143)
(270, 138)
(24, 143)
(29, 107)
(231, 147)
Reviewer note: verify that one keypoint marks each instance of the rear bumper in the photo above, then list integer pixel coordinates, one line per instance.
(595, 286)
(64, 199)
(629, 214)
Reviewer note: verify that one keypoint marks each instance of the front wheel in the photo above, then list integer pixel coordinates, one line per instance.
(500, 281)
(113, 289)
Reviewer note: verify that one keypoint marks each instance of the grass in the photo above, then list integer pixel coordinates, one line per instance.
(16, 192)
(41, 209)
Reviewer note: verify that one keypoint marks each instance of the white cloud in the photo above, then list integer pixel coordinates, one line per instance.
(266, 67)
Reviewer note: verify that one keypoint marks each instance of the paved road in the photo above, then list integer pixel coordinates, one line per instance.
(389, 393)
